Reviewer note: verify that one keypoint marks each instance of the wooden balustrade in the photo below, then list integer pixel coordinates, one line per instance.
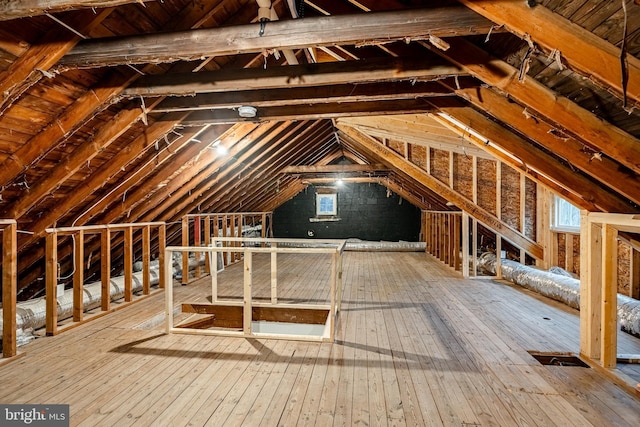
(235, 317)
(106, 234)
(443, 236)
(198, 230)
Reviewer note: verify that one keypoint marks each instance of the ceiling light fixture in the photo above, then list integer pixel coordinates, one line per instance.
(247, 111)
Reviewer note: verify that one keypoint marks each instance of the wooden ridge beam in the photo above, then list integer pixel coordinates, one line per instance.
(290, 77)
(348, 92)
(380, 27)
(31, 66)
(565, 114)
(489, 220)
(581, 49)
(605, 170)
(14, 9)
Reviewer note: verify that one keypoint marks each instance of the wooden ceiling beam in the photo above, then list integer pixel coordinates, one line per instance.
(602, 168)
(14, 9)
(341, 168)
(292, 76)
(581, 49)
(565, 114)
(382, 27)
(489, 220)
(369, 92)
(311, 112)
(33, 64)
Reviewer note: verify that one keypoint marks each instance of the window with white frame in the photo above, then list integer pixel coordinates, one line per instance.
(326, 204)
(565, 216)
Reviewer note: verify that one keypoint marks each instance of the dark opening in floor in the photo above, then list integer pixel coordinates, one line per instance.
(558, 359)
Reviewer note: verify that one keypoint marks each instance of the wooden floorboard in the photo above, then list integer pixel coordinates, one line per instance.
(415, 345)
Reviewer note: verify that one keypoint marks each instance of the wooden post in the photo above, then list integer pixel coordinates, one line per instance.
(232, 225)
(498, 257)
(340, 284)
(568, 253)
(474, 246)
(213, 268)
(590, 286)
(609, 323)
(185, 255)
(523, 216)
(274, 273)
(248, 282)
(333, 287)
(634, 274)
(543, 225)
(239, 232)
(128, 264)
(78, 277)
(196, 242)
(105, 265)
(465, 244)
(168, 293)
(146, 259)
(207, 242)
(51, 283)
(456, 241)
(162, 243)
(9, 288)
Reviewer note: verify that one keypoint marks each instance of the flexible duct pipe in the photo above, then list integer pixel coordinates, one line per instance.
(31, 314)
(560, 288)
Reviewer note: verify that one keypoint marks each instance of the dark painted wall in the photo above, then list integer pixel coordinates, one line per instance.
(364, 210)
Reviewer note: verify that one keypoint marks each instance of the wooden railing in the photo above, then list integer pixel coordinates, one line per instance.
(241, 314)
(198, 229)
(106, 233)
(9, 286)
(442, 233)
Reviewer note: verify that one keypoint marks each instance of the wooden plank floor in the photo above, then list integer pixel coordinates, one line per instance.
(416, 345)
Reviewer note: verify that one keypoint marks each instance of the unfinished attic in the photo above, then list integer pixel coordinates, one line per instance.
(234, 212)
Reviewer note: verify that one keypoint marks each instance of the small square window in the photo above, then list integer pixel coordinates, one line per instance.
(326, 204)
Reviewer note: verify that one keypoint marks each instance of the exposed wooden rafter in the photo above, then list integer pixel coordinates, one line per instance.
(381, 27)
(568, 116)
(602, 168)
(33, 64)
(13, 9)
(537, 164)
(580, 48)
(489, 220)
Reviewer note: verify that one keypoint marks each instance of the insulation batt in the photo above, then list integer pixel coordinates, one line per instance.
(560, 288)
